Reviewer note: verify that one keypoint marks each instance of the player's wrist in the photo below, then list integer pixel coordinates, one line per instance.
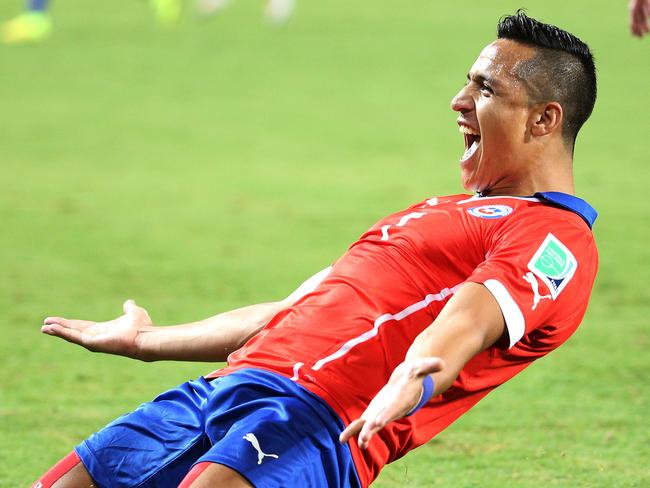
(427, 392)
(145, 346)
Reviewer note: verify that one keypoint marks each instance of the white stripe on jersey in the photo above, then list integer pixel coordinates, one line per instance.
(296, 371)
(402, 222)
(384, 232)
(343, 350)
(515, 321)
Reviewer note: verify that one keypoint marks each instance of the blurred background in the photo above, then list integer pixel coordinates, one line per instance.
(221, 161)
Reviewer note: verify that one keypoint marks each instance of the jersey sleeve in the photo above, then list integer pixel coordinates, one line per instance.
(540, 271)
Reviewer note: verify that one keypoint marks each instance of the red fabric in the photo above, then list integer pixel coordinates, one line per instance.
(194, 473)
(57, 471)
(343, 340)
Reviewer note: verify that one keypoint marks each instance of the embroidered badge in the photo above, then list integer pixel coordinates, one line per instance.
(490, 211)
(554, 264)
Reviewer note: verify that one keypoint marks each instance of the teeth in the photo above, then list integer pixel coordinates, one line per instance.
(469, 152)
(466, 130)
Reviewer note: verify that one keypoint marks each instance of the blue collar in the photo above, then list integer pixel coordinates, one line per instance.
(569, 202)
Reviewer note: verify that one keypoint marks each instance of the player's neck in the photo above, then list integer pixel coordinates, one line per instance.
(544, 175)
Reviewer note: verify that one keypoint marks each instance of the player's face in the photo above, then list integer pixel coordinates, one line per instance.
(494, 115)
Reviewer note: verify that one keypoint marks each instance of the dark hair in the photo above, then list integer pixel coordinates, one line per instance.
(563, 69)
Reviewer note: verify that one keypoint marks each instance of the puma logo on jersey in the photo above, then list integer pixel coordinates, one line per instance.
(530, 278)
(38, 485)
(250, 437)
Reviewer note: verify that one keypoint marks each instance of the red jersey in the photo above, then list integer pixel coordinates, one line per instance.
(343, 340)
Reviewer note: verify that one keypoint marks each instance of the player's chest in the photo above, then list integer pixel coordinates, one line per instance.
(445, 231)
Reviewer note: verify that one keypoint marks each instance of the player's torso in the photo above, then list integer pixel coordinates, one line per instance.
(344, 339)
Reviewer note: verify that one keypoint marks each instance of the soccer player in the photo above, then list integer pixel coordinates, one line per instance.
(430, 310)
(33, 25)
(275, 11)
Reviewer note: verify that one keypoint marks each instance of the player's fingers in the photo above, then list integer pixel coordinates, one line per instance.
(68, 323)
(66, 333)
(351, 430)
(640, 15)
(369, 429)
(636, 30)
(632, 23)
(387, 415)
(54, 320)
(644, 23)
(129, 306)
(644, 5)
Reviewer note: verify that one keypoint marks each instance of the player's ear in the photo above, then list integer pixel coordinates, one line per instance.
(546, 118)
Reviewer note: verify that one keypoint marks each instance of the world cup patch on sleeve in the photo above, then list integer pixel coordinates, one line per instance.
(554, 264)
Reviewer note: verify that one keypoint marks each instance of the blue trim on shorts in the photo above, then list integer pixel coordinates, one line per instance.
(265, 426)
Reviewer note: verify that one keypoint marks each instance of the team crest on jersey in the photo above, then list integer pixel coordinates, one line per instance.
(490, 211)
(554, 264)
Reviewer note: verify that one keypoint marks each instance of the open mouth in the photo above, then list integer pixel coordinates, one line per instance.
(472, 141)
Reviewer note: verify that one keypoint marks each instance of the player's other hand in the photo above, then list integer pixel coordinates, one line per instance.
(397, 398)
(118, 336)
(639, 15)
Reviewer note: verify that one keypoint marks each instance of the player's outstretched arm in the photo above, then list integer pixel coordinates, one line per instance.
(134, 335)
(470, 322)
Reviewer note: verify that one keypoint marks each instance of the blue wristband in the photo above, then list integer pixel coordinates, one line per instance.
(427, 393)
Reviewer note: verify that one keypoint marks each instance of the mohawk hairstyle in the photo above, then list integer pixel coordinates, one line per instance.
(563, 69)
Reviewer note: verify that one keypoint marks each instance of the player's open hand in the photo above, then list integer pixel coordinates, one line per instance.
(396, 399)
(118, 336)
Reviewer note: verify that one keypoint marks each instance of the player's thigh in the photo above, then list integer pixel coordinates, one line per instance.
(69, 472)
(209, 475)
(77, 477)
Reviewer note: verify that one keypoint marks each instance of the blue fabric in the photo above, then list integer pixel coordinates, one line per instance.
(37, 5)
(572, 203)
(242, 420)
(427, 393)
(297, 426)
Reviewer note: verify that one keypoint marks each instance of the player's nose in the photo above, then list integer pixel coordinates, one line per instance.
(462, 102)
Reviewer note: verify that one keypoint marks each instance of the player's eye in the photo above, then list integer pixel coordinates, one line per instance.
(485, 88)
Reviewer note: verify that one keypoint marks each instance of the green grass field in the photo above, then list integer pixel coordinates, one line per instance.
(220, 163)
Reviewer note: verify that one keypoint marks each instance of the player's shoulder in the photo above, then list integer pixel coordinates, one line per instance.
(561, 213)
(439, 201)
(542, 210)
(542, 221)
(559, 228)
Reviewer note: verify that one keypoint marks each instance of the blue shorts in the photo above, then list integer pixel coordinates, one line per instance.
(268, 428)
